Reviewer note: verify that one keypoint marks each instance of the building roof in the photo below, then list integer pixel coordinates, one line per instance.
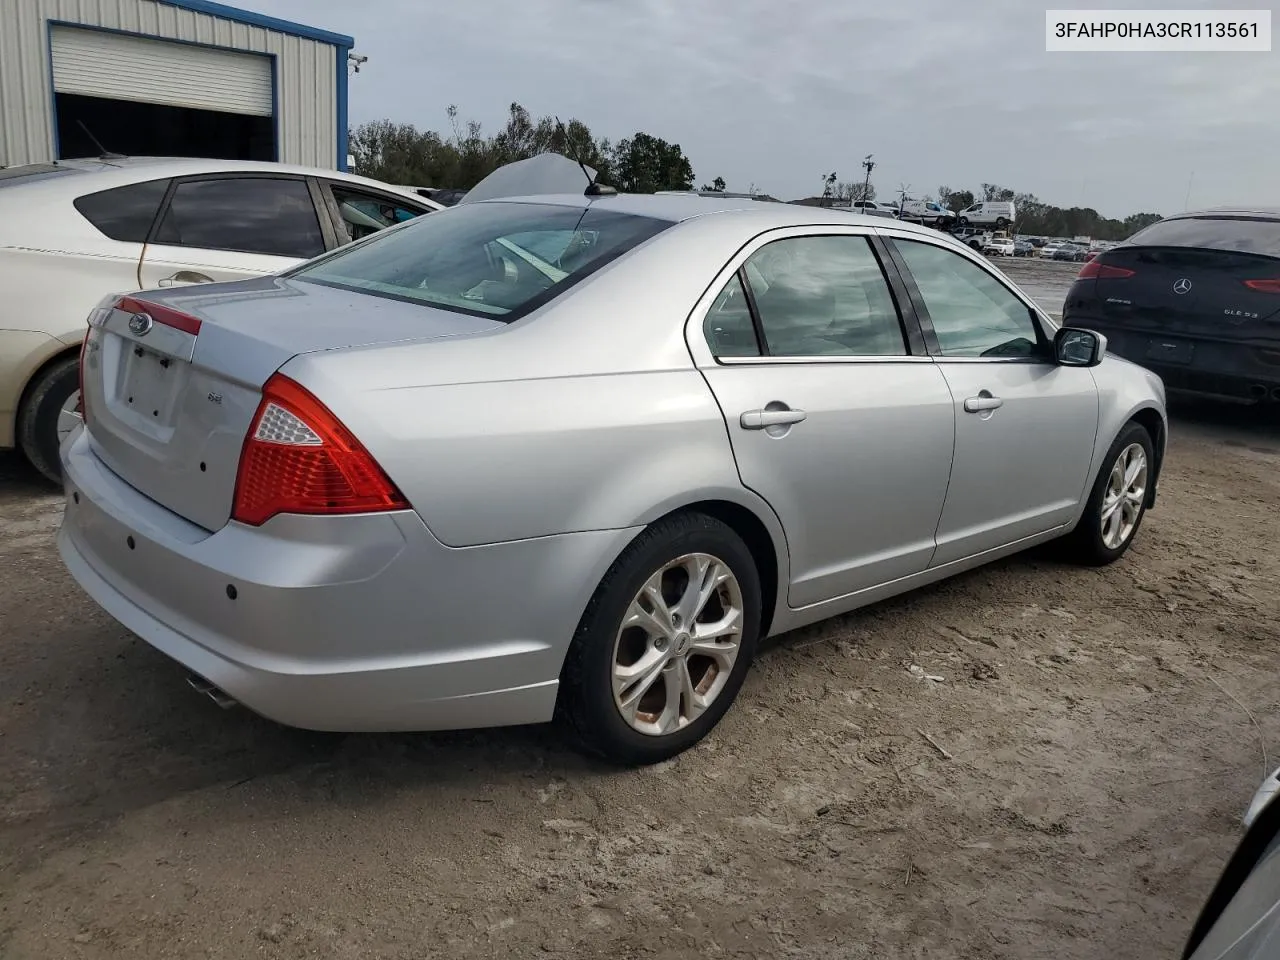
(225, 12)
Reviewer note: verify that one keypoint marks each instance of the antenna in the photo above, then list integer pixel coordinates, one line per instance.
(103, 152)
(593, 189)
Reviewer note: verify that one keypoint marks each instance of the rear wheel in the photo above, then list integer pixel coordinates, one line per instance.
(665, 643)
(48, 415)
(1118, 501)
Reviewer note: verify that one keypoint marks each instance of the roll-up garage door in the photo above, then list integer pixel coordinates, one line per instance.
(95, 64)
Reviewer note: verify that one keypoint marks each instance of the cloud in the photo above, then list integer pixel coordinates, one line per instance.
(775, 94)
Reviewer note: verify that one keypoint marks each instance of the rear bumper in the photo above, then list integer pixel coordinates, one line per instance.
(336, 623)
(1230, 371)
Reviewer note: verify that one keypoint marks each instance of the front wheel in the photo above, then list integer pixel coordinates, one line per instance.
(49, 413)
(1118, 501)
(964, 221)
(665, 643)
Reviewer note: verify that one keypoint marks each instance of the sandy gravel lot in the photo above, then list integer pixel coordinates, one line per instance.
(1098, 767)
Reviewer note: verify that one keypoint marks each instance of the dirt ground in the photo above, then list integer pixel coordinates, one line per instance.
(1098, 765)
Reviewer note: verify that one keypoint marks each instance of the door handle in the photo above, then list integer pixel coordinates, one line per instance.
(184, 276)
(763, 419)
(980, 403)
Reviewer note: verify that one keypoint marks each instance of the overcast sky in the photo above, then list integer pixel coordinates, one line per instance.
(778, 92)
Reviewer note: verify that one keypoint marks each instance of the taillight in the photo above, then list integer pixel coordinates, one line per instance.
(298, 458)
(1263, 286)
(84, 344)
(1102, 271)
(97, 319)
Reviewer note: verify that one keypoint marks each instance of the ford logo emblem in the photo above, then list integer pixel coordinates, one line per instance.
(140, 324)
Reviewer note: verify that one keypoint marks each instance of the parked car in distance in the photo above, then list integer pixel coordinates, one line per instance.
(1067, 251)
(996, 213)
(1241, 916)
(75, 230)
(324, 542)
(1023, 248)
(1195, 297)
(972, 237)
(999, 246)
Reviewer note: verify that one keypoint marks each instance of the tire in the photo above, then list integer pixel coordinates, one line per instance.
(1086, 544)
(1001, 223)
(601, 644)
(39, 414)
(964, 221)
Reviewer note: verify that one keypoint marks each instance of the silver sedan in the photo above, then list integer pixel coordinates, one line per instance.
(575, 455)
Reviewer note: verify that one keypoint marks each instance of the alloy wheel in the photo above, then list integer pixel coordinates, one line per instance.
(677, 644)
(1125, 495)
(69, 416)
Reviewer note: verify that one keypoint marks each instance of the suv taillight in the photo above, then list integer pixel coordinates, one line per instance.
(1102, 271)
(298, 458)
(1263, 286)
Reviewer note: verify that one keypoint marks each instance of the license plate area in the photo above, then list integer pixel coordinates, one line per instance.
(1163, 350)
(148, 389)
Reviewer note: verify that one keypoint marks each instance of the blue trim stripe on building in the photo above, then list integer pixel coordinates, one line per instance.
(269, 23)
(343, 78)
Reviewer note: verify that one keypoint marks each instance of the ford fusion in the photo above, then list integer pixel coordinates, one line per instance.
(575, 455)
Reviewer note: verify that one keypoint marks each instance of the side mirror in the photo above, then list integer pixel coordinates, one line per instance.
(1077, 347)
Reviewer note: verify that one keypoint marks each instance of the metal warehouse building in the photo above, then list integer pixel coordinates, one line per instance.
(168, 78)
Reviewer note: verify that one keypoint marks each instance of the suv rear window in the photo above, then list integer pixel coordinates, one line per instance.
(492, 259)
(1236, 234)
(124, 213)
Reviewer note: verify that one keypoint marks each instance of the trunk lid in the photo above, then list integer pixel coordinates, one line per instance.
(168, 403)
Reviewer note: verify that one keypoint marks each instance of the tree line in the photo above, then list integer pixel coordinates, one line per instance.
(465, 154)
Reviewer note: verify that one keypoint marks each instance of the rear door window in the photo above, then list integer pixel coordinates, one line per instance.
(268, 215)
(124, 213)
(364, 213)
(824, 297)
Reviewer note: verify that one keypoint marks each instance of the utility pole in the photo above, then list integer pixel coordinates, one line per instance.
(1186, 203)
(867, 164)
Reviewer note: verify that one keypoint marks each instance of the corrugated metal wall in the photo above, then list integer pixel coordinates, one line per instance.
(306, 72)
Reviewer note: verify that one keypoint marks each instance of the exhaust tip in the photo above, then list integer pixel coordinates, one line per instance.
(1259, 392)
(1275, 394)
(215, 693)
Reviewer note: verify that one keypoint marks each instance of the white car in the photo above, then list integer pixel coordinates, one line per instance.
(74, 231)
(999, 246)
(998, 213)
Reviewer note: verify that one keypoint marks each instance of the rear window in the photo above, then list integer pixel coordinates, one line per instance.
(30, 172)
(1235, 234)
(124, 213)
(493, 259)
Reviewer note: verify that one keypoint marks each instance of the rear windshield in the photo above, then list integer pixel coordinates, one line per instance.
(492, 259)
(31, 172)
(1236, 234)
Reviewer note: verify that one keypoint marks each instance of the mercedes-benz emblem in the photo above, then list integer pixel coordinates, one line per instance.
(1181, 286)
(140, 324)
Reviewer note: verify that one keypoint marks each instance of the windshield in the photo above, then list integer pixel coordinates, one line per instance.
(493, 259)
